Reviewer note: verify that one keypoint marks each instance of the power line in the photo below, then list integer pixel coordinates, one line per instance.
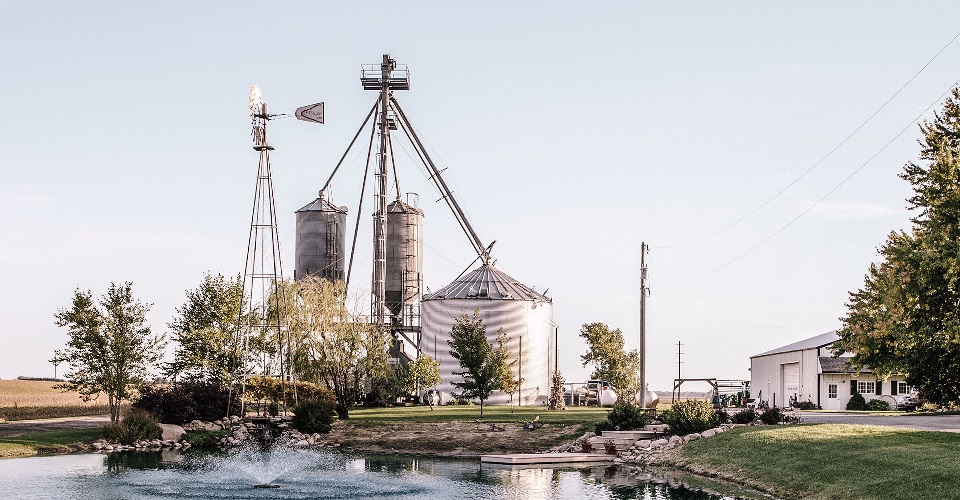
(821, 160)
(835, 188)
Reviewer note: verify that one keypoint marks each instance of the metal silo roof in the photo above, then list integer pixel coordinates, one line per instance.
(487, 282)
(321, 205)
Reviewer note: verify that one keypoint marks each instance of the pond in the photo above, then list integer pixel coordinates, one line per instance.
(307, 474)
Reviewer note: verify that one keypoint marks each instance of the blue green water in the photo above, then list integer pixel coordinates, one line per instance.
(311, 475)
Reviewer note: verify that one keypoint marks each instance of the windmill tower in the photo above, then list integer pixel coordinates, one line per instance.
(264, 309)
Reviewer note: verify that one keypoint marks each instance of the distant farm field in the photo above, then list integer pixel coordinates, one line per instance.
(30, 399)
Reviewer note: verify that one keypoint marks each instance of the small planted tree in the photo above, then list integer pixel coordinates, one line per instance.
(421, 373)
(557, 396)
(482, 365)
(611, 362)
(111, 348)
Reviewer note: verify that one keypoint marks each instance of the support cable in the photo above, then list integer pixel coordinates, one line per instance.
(438, 179)
(824, 197)
(363, 189)
(821, 160)
(367, 119)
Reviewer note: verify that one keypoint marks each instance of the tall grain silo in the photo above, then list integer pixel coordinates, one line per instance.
(525, 315)
(404, 276)
(320, 240)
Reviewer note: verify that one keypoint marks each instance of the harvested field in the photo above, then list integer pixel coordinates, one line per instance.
(32, 399)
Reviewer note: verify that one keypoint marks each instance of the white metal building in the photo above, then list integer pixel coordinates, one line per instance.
(807, 371)
(525, 315)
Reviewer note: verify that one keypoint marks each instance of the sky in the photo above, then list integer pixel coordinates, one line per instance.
(570, 134)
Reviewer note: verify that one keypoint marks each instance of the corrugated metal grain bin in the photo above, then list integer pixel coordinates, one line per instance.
(525, 315)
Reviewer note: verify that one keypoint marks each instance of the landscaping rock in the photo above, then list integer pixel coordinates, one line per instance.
(708, 433)
(172, 432)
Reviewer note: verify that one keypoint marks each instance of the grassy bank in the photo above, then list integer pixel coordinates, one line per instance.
(60, 441)
(832, 461)
(365, 417)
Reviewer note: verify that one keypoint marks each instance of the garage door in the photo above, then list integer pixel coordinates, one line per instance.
(789, 383)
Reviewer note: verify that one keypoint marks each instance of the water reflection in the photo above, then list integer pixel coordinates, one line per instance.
(315, 474)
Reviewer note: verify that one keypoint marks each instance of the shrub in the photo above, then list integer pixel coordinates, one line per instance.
(604, 425)
(205, 439)
(314, 415)
(137, 425)
(928, 406)
(805, 405)
(628, 417)
(744, 416)
(772, 416)
(187, 401)
(687, 417)
(722, 416)
(269, 390)
(878, 405)
(857, 402)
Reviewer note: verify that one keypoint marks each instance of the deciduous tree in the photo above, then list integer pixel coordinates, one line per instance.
(483, 366)
(906, 318)
(421, 373)
(205, 331)
(334, 345)
(611, 362)
(111, 348)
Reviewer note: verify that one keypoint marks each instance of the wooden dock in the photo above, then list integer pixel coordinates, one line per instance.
(570, 459)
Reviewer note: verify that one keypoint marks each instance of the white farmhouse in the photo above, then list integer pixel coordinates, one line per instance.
(807, 371)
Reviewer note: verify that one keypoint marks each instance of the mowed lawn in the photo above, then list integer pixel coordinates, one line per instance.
(59, 441)
(835, 461)
(572, 415)
(30, 399)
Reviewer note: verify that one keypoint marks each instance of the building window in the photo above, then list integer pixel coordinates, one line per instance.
(903, 388)
(865, 387)
(832, 391)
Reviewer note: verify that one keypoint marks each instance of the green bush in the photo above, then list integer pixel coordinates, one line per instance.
(137, 425)
(628, 417)
(687, 417)
(878, 405)
(205, 439)
(314, 415)
(604, 425)
(744, 416)
(772, 416)
(805, 405)
(187, 401)
(857, 402)
(722, 416)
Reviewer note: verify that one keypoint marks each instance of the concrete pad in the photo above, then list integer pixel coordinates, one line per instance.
(548, 458)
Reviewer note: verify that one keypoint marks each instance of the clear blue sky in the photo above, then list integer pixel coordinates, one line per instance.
(571, 133)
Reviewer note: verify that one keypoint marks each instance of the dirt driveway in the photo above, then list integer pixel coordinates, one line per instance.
(926, 422)
(51, 424)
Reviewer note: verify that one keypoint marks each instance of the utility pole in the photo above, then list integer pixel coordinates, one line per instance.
(644, 291)
(677, 383)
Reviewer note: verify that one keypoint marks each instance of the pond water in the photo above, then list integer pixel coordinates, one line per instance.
(304, 474)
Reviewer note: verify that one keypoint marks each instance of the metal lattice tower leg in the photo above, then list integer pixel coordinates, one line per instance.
(264, 309)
